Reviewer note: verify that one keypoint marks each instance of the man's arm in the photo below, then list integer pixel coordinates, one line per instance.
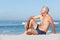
(52, 23)
(28, 21)
(33, 17)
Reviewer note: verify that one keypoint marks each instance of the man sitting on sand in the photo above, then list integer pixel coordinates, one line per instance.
(45, 21)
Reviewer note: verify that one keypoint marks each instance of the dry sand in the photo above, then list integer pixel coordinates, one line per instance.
(30, 37)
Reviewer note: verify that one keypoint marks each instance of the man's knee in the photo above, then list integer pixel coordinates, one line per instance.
(29, 31)
(31, 20)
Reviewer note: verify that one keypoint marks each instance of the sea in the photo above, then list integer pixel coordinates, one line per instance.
(16, 27)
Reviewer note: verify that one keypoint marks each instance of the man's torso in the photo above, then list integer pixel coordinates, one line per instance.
(44, 23)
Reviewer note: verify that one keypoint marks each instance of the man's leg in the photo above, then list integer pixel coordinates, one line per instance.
(32, 31)
(31, 23)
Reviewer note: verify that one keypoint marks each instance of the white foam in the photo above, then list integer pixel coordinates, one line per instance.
(49, 31)
(23, 23)
(39, 23)
(56, 22)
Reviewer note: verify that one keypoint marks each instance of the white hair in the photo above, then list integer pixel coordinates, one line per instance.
(47, 9)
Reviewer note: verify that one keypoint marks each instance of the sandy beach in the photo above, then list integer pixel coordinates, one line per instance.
(30, 37)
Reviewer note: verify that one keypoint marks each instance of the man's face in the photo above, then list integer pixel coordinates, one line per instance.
(43, 10)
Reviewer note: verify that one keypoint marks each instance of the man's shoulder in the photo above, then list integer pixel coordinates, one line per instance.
(49, 16)
(40, 15)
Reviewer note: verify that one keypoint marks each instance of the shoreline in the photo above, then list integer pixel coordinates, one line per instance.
(30, 37)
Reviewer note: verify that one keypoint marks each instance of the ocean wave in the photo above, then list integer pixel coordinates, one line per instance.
(22, 24)
(49, 31)
(56, 22)
(9, 24)
(39, 23)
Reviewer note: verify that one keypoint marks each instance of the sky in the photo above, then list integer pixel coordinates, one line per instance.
(23, 9)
